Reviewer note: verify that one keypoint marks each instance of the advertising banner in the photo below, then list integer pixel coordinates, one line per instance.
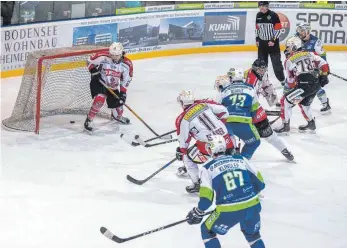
(103, 34)
(222, 28)
(139, 33)
(18, 43)
(181, 30)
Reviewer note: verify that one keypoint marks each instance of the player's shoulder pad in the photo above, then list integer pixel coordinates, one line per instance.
(178, 122)
(127, 61)
(314, 38)
(99, 54)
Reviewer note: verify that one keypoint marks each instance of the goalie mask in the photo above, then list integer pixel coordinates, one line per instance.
(116, 51)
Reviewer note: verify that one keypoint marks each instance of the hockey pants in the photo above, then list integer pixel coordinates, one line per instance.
(264, 51)
(221, 222)
(248, 134)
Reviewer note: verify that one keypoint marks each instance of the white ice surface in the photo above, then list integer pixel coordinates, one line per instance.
(58, 188)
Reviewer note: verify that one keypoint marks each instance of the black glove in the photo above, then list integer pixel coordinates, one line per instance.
(286, 53)
(195, 216)
(179, 154)
(122, 96)
(323, 80)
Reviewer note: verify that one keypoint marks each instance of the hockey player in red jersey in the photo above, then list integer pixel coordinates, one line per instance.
(200, 120)
(109, 70)
(306, 73)
(257, 77)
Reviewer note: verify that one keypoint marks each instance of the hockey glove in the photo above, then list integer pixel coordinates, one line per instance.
(122, 96)
(179, 154)
(195, 216)
(323, 80)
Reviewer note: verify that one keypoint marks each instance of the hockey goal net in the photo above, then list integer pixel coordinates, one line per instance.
(55, 82)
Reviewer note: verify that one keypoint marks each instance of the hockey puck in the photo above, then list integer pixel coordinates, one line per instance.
(137, 136)
(72, 122)
(122, 135)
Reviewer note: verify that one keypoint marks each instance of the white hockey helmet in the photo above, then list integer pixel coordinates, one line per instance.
(116, 50)
(221, 82)
(294, 44)
(216, 145)
(236, 75)
(303, 30)
(186, 98)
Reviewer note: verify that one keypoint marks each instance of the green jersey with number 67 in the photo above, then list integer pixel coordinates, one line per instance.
(241, 101)
(232, 182)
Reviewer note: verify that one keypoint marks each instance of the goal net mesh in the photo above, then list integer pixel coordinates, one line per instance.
(64, 87)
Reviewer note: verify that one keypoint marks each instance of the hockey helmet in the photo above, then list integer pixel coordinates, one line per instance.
(216, 145)
(303, 30)
(236, 75)
(221, 82)
(263, 3)
(116, 50)
(259, 67)
(186, 98)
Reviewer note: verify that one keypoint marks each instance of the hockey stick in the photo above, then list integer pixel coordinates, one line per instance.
(140, 182)
(273, 112)
(273, 121)
(108, 234)
(345, 79)
(145, 144)
(132, 111)
(154, 138)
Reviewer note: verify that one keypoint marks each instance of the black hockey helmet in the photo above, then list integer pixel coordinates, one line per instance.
(263, 3)
(259, 67)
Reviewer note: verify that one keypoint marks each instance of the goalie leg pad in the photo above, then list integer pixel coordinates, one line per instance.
(98, 102)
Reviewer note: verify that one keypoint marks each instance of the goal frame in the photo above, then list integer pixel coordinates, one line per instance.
(40, 75)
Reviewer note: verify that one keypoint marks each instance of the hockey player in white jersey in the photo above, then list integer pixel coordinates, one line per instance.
(109, 70)
(313, 44)
(200, 120)
(306, 73)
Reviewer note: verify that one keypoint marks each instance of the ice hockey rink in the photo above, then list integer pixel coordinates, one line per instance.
(58, 188)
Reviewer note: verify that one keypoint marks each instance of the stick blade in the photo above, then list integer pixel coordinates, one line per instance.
(135, 181)
(108, 234)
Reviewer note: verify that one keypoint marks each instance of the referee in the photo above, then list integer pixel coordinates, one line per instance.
(268, 30)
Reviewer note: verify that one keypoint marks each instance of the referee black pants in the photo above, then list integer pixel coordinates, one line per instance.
(264, 50)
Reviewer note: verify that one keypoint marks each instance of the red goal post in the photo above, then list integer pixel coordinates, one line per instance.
(55, 82)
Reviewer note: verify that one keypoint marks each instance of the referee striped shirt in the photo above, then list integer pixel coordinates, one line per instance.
(267, 26)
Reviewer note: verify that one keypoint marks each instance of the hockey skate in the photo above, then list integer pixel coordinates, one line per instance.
(88, 125)
(288, 154)
(326, 108)
(121, 119)
(182, 171)
(194, 188)
(284, 129)
(310, 126)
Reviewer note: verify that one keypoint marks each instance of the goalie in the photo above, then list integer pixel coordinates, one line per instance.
(109, 70)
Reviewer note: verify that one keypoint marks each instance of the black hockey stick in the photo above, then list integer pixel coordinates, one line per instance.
(345, 79)
(140, 182)
(273, 121)
(273, 112)
(111, 236)
(145, 144)
(151, 139)
(132, 111)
